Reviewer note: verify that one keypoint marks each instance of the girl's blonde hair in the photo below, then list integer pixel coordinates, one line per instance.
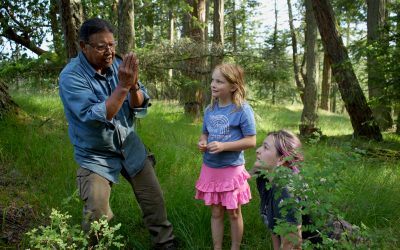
(234, 74)
(288, 146)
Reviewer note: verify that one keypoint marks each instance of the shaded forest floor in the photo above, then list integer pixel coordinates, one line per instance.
(37, 173)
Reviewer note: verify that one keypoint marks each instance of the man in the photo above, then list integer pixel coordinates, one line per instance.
(102, 96)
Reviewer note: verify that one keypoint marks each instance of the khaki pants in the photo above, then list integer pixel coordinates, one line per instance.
(95, 192)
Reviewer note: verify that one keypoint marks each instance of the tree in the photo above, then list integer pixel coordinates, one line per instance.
(296, 70)
(6, 103)
(71, 12)
(218, 33)
(56, 30)
(309, 115)
(326, 83)
(126, 26)
(376, 77)
(24, 23)
(192, 95)
(239, 28)
(355, 102)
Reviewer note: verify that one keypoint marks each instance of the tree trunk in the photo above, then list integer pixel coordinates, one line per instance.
(309, 117)
(218, 33)
(398, 123)
(149, 27)
(333, 97)
(326, 83)
(6, 103)
(56, 29)
(355, 102)
(171, 36)
(376, 78)
(296, 71)
(275, 51)
(71, 12)
(126, 27)
(187, 21)
(234, 28)
(192, 95)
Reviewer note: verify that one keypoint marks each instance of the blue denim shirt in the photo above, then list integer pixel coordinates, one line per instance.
(100, 145)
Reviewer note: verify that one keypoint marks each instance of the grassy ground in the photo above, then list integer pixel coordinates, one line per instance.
(37, 168)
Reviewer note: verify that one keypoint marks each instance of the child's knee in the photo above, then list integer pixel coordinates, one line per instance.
(217, 212)
(234, 214)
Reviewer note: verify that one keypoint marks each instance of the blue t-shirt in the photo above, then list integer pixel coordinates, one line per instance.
(227, 124)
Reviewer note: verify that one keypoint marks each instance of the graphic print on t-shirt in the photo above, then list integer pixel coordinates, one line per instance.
(218, 128)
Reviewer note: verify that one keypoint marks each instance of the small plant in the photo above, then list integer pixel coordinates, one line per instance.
(60, 235)
(313, 196)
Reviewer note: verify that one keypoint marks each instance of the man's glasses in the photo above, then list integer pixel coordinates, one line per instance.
(103, 47)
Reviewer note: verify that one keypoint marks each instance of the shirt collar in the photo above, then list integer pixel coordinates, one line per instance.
(89, 68)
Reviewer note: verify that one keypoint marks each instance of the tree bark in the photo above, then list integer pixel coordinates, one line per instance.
(355, 102)
(376, 78)
(6, 103)
(333, 97)
(296, 70)
(149, 27)
(275, 52)
(218, 33)
(309, 117)
(56, 29)
(126, 27)
(326, 83)
(234, 28)
(71, 12)
(398, 123)
(193, 95)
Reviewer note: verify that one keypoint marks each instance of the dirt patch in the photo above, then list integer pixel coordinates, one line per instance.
(15, 222)
(17, 216)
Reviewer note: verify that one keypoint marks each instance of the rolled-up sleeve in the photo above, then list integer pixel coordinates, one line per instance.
(80, 101)
(140, 112)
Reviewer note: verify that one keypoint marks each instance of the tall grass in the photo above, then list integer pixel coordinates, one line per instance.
(35, 149)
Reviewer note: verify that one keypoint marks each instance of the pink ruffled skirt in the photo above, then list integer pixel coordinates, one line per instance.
(225, 186)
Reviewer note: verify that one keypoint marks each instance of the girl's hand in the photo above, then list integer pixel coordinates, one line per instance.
(215, 147)
(202, 145)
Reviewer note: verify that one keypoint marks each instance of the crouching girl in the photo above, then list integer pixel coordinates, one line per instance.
(280, 149)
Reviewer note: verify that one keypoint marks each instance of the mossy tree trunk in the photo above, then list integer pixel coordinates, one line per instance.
(355, 102)
(309, 117)
(71, 12)
(6, 103)
(296, 68)
(126, 27)
(381, 106)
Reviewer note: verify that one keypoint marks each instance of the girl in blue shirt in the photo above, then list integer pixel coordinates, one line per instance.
(228, 129)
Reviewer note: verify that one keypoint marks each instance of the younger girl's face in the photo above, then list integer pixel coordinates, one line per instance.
(267, 155)
(220, 87)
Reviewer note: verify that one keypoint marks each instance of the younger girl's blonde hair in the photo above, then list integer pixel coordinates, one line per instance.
(234, 74)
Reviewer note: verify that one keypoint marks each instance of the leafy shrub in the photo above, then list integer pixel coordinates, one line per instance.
(60, 235)
(313, 195)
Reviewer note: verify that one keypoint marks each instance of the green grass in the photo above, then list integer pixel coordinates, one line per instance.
(36, 154)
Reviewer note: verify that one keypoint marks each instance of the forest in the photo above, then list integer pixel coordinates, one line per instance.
(325, 69)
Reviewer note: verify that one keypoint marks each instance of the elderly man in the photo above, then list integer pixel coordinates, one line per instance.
(102, 97)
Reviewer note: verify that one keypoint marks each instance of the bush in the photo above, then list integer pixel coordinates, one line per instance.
(313, 197)
(60, 235)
